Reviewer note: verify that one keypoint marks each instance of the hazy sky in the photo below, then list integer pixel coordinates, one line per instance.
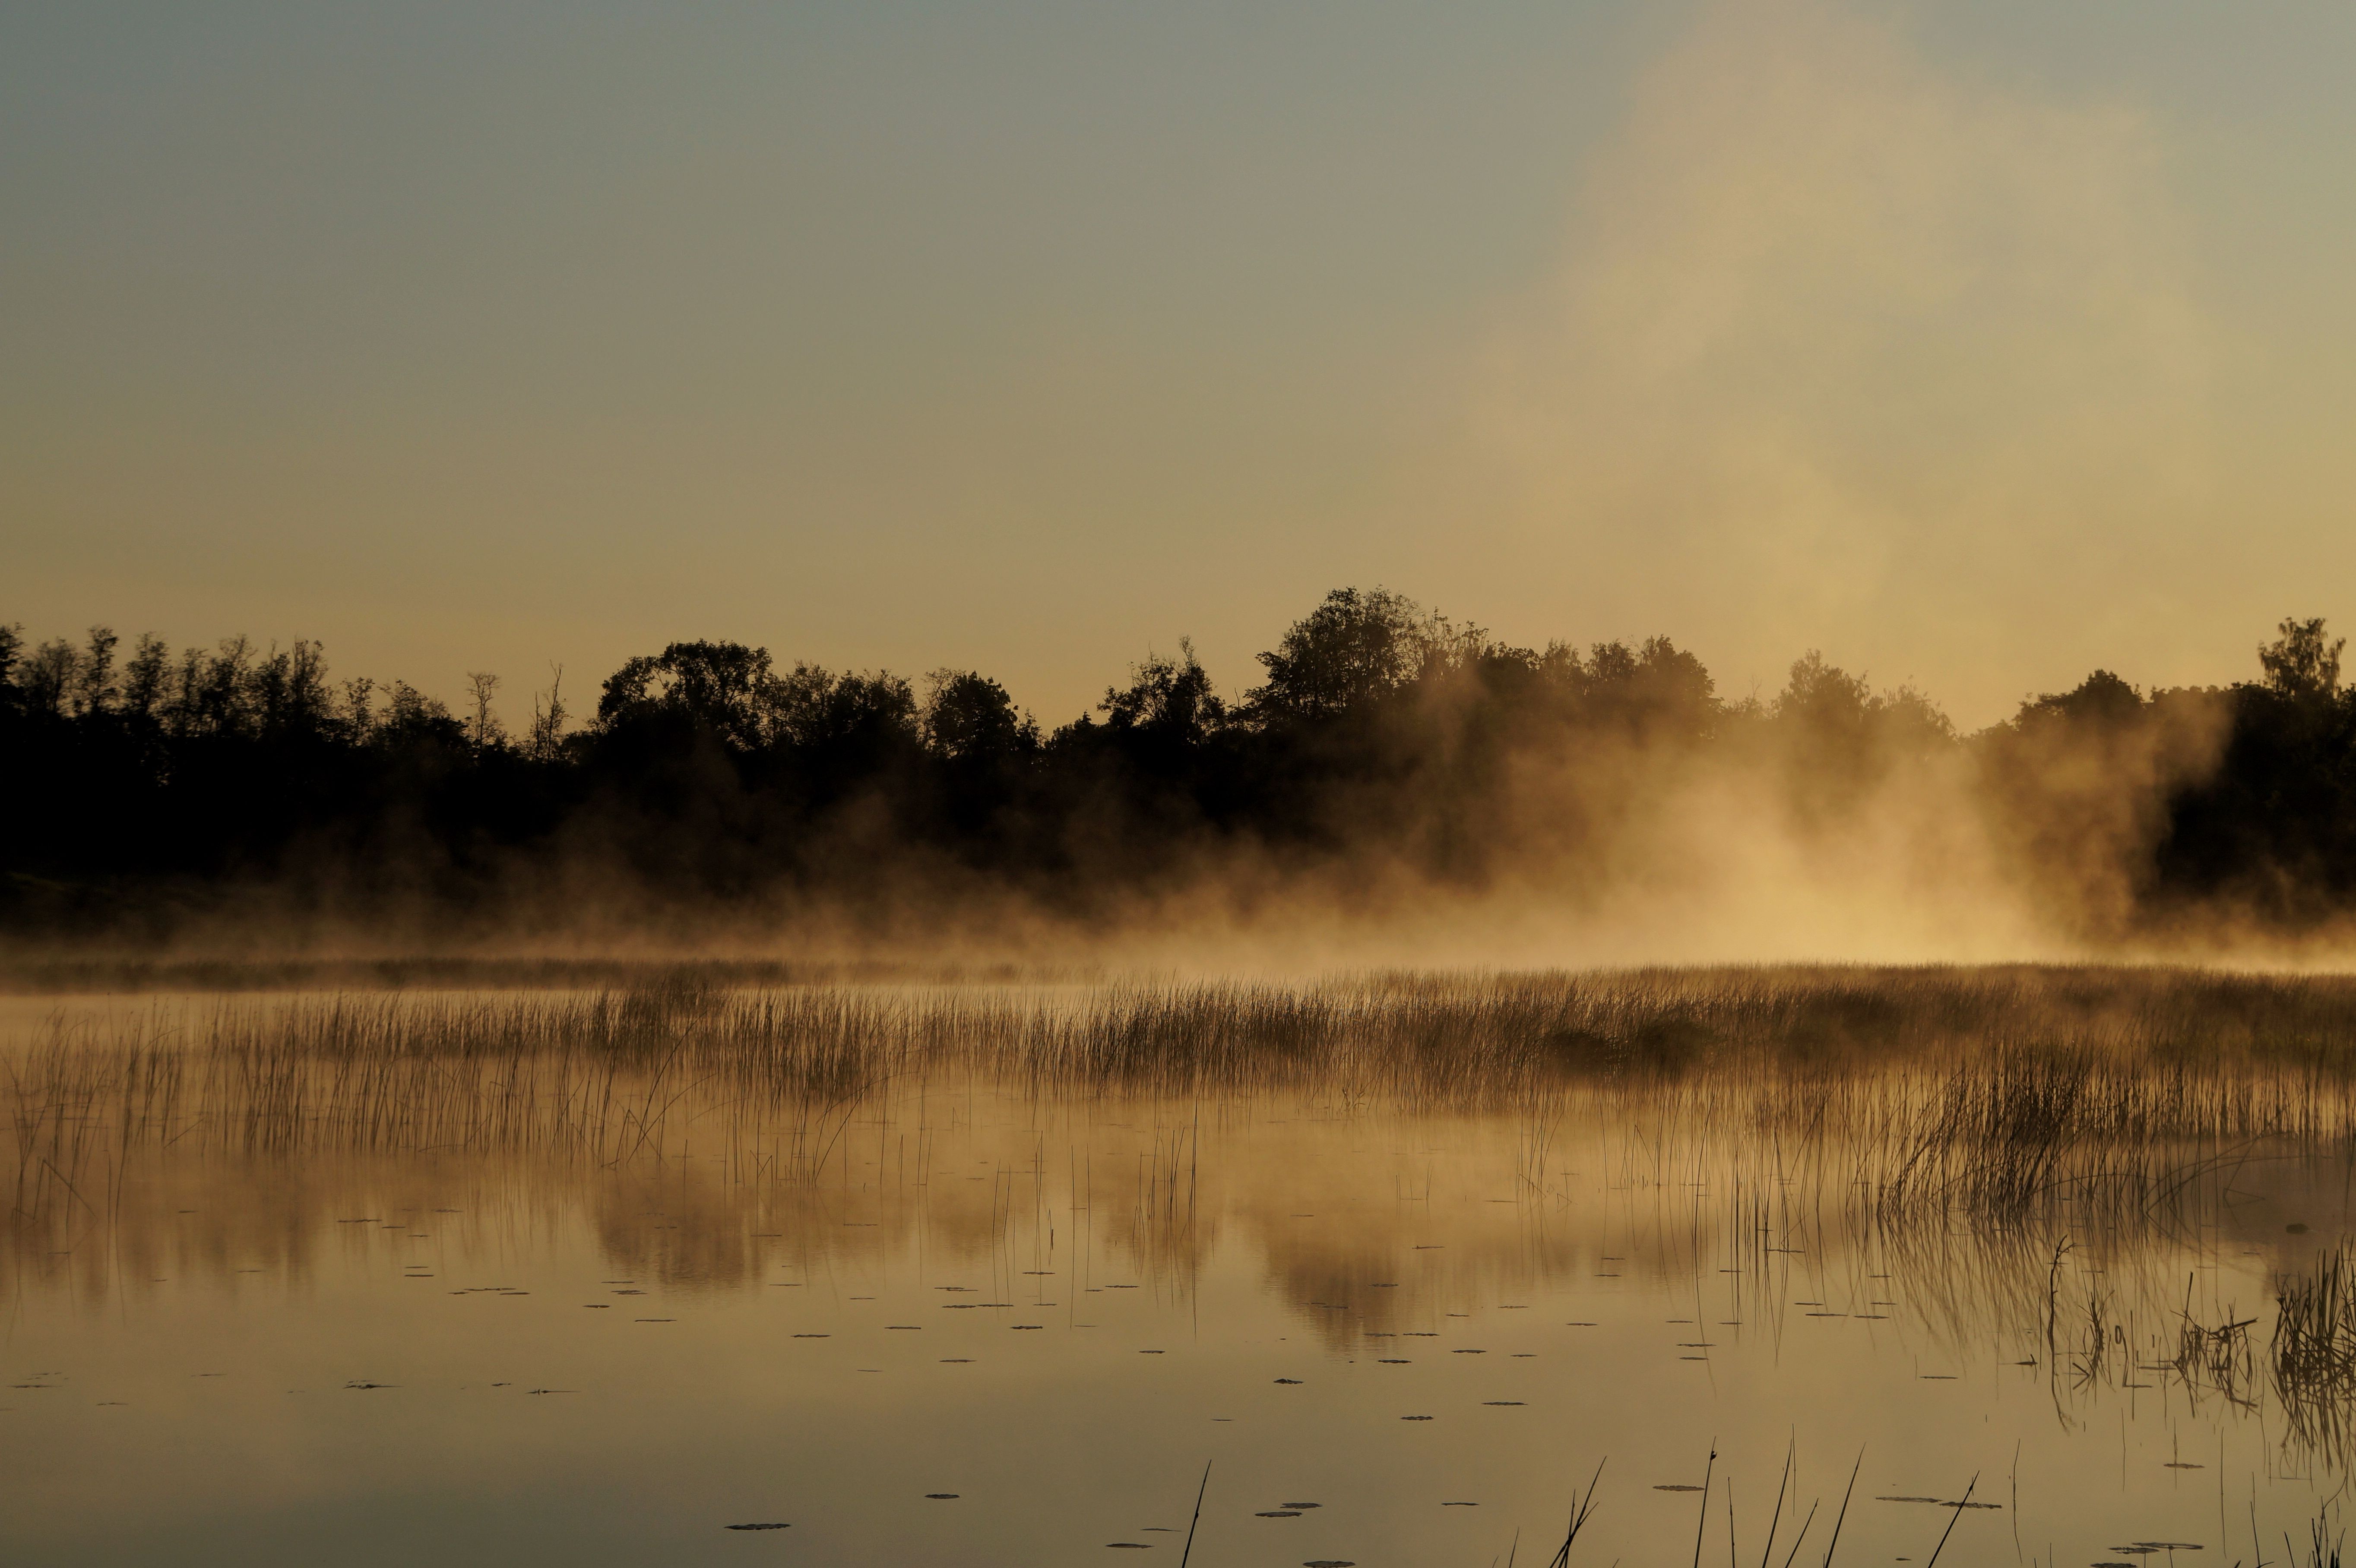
(1976, 343)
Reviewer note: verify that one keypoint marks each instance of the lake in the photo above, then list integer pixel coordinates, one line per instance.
(1385, 1270)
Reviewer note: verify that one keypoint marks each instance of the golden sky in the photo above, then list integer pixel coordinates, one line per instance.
(1975, 343)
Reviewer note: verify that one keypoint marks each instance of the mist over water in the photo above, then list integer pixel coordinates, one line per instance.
(1796, 996)
(786, 1108)
(481, 1275)
(1399, 788)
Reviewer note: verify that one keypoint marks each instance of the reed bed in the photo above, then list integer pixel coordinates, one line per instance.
(1992, 1092)
(1961, 1122)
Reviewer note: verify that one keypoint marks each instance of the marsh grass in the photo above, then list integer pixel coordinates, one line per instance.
(53, 977)
(1994, 1092)
(1948, 1125)
(1960, 1118)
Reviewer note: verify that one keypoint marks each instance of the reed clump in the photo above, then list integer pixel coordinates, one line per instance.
(2314, 1350)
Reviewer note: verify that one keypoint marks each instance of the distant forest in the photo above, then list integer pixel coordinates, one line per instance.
(144, 786)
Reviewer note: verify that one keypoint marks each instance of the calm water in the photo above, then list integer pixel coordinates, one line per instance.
(975, 1323)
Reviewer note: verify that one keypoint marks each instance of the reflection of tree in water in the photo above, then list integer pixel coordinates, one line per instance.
(1906, 1148)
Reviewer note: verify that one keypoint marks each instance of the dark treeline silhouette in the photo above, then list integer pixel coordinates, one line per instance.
(143, 787)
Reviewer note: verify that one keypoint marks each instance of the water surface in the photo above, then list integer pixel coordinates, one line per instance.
(955, 1316)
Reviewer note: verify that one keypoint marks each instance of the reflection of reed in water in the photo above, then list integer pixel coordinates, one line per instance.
(2096, 1344)
(2215, 1358)
(1941, 1125)
(1994, 1092)
(2313, 1354)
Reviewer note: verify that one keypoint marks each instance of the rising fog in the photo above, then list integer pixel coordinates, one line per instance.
(1848, 341)
(1394, 788)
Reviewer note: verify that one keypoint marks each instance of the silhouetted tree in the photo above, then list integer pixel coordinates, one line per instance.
(145, 679)
(1168, 704)
(2273, 829)
(725, 688)
(968, 720)
(1380, 735)
(1654, 690)
(92, 683)
(2301, 664)
(48, 675)
(2101, 699)
(1359, 645)
(545, 743)
(483, 726)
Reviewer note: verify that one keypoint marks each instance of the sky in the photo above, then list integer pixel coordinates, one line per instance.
(1974, 344)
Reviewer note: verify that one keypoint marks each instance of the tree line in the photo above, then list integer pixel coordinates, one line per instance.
(139, 786)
